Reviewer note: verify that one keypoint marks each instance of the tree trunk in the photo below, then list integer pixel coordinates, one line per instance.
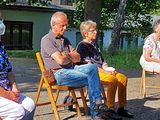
(115, 36)
(93, 10)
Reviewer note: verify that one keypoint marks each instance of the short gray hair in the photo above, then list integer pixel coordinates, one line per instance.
(55, 17)
(155, 25)
(86, 25)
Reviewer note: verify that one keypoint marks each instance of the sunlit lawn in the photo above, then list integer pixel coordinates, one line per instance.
(123, 59)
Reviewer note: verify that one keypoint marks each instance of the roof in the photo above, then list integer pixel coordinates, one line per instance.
(49, 8)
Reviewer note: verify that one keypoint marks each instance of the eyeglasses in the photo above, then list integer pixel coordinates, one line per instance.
(92, 31)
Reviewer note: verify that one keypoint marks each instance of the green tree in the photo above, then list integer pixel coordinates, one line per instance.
(30, 2)
(135, 18)
(93, 11)
(119, 21)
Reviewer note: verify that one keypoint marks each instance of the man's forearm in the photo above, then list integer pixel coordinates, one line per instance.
(67, 58)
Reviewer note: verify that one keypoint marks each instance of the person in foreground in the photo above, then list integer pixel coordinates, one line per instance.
(58, 55)
(150, 59)
(13, 105)
(90, 53)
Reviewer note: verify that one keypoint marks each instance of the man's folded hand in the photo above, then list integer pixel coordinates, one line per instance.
(75, 57)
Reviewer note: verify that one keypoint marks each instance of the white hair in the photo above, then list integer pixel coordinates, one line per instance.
(155, 25)
(55, 17)
(86, 25)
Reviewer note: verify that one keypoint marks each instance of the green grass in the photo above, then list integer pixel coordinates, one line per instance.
(21, 53)
(124, 59)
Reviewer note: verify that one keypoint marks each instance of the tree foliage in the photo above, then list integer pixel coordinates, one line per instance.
(29, 2)
(137, 18)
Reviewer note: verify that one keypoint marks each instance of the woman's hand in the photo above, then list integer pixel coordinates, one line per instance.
(12, 96)
(104, 66)
(113, 73)
(16, 93)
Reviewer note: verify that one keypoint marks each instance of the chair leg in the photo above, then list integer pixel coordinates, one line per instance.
(57, 94)
(39, 89)
(103, 94)
(53, 103)
(143, 84)
(76, 103)
(84, 101)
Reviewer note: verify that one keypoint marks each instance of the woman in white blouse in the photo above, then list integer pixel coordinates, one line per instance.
(150, 59)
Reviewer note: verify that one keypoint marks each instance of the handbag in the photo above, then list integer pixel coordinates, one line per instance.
(50, 76)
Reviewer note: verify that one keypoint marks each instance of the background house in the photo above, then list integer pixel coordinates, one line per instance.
(26, 25)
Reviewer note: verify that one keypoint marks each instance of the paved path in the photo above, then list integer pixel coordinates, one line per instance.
(28, 76)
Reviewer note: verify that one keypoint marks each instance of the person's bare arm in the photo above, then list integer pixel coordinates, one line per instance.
(75, 56)
(148, 58)
(9, 95)
(61, 58)
(108, 72)
(11, 77)
(14, 93)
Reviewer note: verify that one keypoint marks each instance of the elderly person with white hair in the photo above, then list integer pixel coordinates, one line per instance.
(90, 53)
(150, 59)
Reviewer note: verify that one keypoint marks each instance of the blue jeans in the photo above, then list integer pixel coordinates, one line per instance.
(82, 75)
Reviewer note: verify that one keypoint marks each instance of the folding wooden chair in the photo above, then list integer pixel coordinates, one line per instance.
(143, 82)
(53, 98)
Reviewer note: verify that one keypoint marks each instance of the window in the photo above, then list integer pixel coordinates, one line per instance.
(66, 2)
(18, 35)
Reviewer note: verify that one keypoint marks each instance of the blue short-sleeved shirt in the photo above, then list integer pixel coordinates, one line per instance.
(5, 67)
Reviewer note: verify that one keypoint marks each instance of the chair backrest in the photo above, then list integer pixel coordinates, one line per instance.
(40, 62)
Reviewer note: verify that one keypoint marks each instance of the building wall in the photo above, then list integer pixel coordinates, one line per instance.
(41, 24)
(107, 40)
